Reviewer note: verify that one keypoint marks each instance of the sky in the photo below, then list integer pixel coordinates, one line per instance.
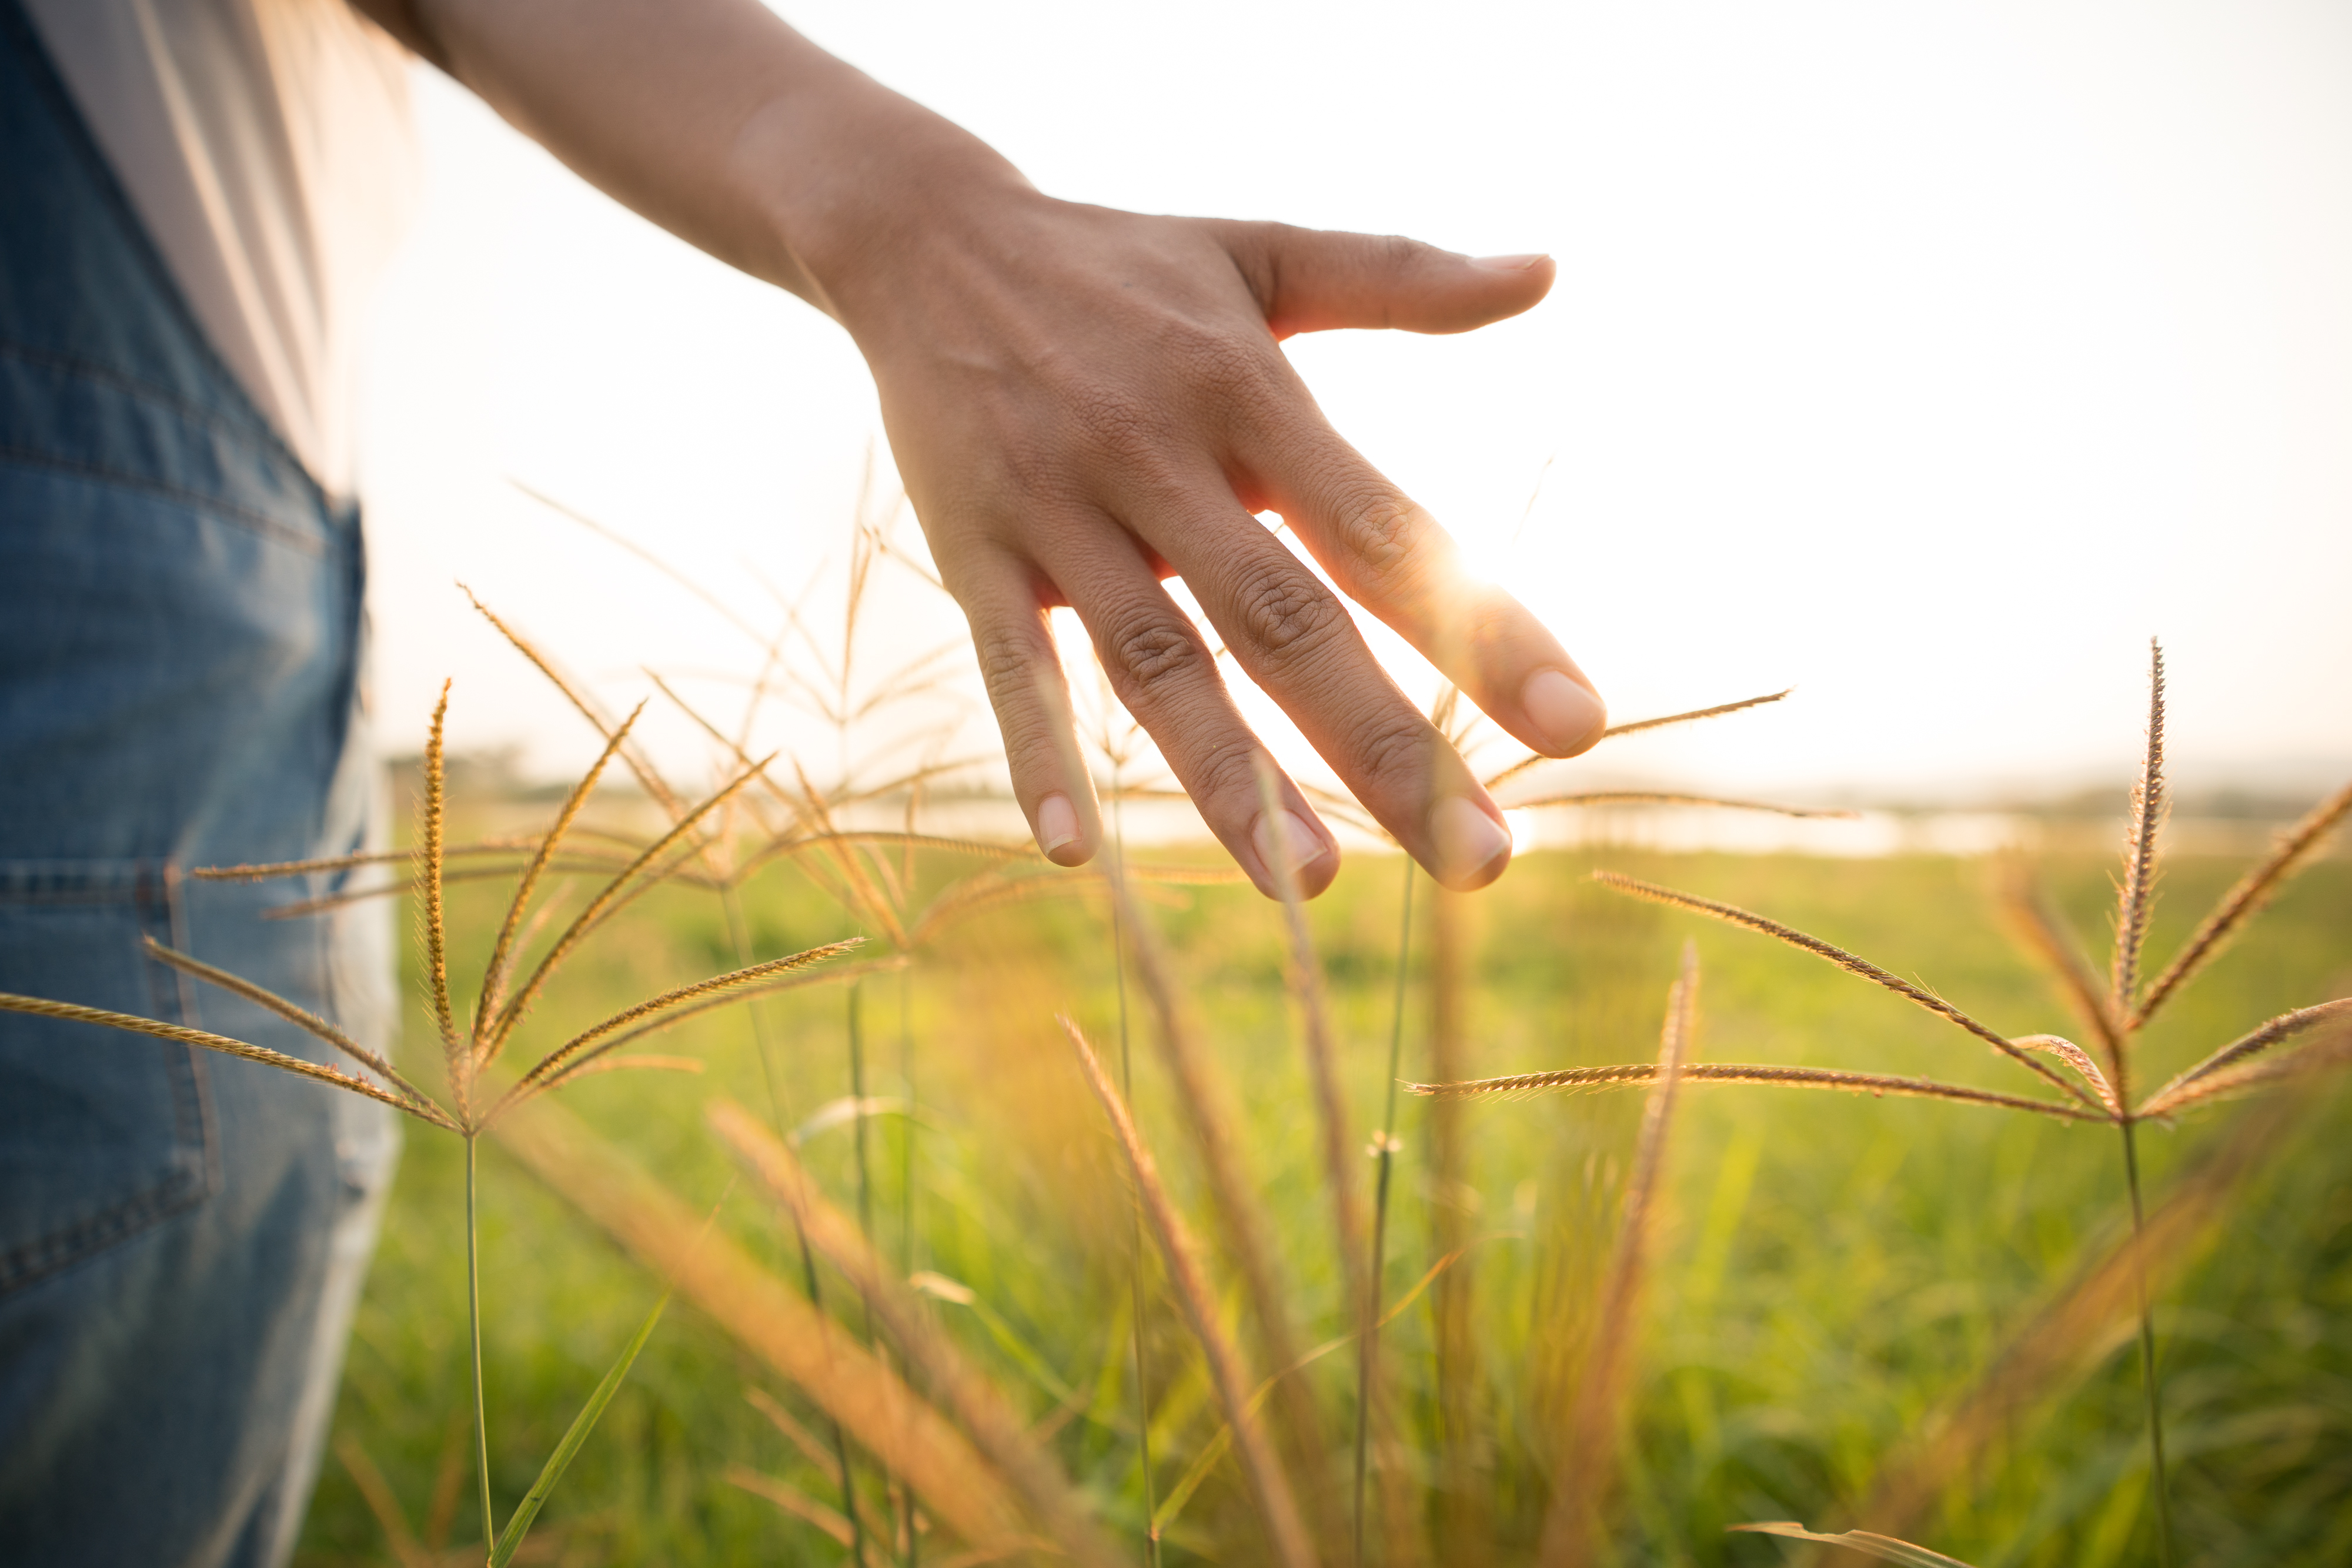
(1927, 359)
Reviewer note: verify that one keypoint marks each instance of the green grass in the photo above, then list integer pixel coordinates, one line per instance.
(1833, 1269)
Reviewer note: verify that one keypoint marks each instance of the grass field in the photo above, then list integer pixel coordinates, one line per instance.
(1834, 1274)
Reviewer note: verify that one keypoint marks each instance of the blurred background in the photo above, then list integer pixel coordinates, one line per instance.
(1928, 358)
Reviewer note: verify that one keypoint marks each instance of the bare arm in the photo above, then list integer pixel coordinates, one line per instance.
(1082, 402)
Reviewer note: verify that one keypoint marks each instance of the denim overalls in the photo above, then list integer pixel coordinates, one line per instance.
(182, 1235)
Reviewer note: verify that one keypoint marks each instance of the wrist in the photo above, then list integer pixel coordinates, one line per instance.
(855, 186)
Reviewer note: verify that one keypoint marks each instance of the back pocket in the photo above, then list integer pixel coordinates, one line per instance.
(103, 1132)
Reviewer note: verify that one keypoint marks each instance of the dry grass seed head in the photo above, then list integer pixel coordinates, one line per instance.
(2136, 893)
(1853, 963)
(2246, 900)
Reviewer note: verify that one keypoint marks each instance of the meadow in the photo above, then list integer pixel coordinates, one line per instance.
(810, 1176)
(1840, 1283)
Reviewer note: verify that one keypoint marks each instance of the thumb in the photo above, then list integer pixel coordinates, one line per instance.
(1311, 280)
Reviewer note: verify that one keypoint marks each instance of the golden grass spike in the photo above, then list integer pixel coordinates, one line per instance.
(1885, 1548)
(2039, 925)
(2325, 1054)
(494, 976)
(1664, 798)
(1259, 1465)
(2076, 1057)
(2233, 1056)
(1304, 975)
(773, 1322)
(1734, 915)
(1586, 1475)
(301, 1017)
(674, 1016)
(2136, 893)
(272, 869)
(610, 897)
(981, 1409)
(641, 766)
(1205, 1104)
(2246, 900)
(1614, 730)
(1640, 1074)
(36, 1007)
(734, 982)
(428, 872)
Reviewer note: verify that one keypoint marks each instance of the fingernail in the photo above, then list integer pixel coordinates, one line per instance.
(1508, 263)
(1567, 717)
(1057, 822)
(1470, 843)
(1284, 843)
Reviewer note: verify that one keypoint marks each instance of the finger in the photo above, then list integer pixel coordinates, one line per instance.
(1310, 280)
(1014, 644)
(1391, 557)
(1164, 673)
(1296, 639)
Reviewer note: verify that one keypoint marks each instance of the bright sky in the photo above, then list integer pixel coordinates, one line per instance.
(1927, 357)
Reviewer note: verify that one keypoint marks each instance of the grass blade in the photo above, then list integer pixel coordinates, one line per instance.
(1853, 963)
(518, 1522)
(1885, 1548)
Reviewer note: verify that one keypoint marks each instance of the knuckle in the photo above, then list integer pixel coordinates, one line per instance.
(1381, 532)
(1397, 751)
(1154, 654)
(1285, 612)
(1228, 773)
(1009, 659)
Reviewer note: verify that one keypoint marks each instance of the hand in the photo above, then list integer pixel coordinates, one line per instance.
(1083, 402)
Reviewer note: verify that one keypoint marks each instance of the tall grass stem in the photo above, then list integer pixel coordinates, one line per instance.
(2148, 1353)
(1135, 1272)
(1366, 1366)
(474, 1333)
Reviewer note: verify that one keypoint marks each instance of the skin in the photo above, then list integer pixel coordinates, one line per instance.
(1082, 403)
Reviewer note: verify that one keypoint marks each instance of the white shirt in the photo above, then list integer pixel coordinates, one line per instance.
(267, 146)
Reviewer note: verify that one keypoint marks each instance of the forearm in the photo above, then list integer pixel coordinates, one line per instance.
(717, 120)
